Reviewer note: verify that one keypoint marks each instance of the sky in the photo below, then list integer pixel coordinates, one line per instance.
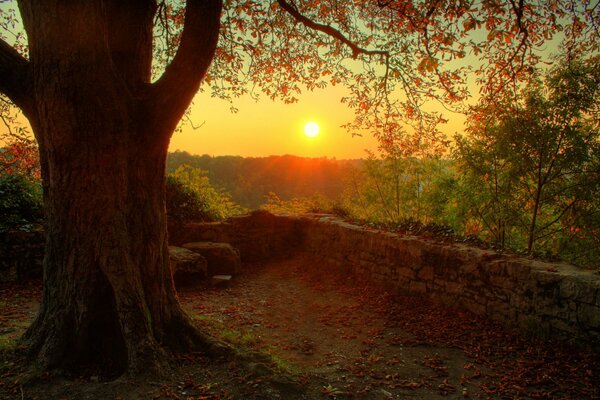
(269, 127)
(266, 127)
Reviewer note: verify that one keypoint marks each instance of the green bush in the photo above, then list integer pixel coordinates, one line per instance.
(316, 203)
(190, 196)
(20, 203)
(183, 203)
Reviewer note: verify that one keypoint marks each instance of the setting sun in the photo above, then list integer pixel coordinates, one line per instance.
(311, 129)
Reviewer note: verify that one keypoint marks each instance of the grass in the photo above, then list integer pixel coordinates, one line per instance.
(237, 338)
(246, 344)
(7, 342)
(281, 364)
(203, 317)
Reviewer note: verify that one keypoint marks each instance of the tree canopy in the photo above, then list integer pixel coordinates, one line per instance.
(394, 57)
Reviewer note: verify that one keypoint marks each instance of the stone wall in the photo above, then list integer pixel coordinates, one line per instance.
(258, 236)
(545, 299)
(21, 255)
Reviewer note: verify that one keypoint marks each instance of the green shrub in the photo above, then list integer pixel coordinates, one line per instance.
(20, 203)
(316, 203)
(183, 203)
(190, 196)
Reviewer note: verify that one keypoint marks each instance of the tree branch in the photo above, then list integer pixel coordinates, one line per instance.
(173, 92)
(329, 30)
(14, 77)
(129, 34)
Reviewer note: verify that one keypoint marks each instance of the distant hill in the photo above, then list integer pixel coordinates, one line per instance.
(250, 179)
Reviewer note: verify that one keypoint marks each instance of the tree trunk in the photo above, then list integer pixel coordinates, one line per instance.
(108, 296)
(108, 293)
(533, 224)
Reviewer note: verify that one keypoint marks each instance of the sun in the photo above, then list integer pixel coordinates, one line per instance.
(311, 129)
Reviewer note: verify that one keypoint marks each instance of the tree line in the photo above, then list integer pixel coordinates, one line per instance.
(525, 175)
(250, 180)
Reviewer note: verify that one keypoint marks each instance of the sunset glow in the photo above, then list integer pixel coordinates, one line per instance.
(311, 129)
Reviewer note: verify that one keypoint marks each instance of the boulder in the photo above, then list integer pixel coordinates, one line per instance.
(222, 259)
(186, 264)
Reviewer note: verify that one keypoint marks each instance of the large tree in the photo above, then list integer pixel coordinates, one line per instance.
(84, 80)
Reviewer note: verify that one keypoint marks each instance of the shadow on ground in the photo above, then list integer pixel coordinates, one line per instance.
(337, 338)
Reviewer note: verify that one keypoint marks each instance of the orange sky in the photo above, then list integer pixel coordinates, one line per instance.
(269, 127)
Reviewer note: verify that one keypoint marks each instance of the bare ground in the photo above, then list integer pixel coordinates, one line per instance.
(303, 332)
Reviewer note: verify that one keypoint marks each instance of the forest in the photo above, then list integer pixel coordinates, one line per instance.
(250, 180)
(524, 176)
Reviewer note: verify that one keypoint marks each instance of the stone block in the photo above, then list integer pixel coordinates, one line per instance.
(574, 288)
(220, 280)
(476, 307)
(588, 316)
(563, 328)
(425, 273)
(185, 261)
(221, 258)
(454, 287)
(496, 267)
(187, 267)
(501, 281)
(533, 325)
(518, 269)
(501, 311)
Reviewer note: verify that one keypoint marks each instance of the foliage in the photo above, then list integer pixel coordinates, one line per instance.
(190, 196)
(20, 152)
(20, 188)
(489, 205)
(183, 203)
(249, 180)
(394, 189)
(316, 203)
(536, 158)
(392, 57)
(20, 202)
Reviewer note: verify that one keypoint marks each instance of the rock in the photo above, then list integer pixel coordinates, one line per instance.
(222, 258)
(186, 264)
(220, 280)
(21, 254)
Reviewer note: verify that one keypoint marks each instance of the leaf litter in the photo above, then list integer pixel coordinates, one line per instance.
(339, 338)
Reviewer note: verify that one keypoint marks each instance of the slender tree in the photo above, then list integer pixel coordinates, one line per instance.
(84, 81)
(536, 156)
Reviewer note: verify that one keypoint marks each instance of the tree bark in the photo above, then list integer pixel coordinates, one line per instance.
(108, 297)
(108, 294)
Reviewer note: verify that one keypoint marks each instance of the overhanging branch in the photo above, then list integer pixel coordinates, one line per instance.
(14, 76)
(173, 92)
(329, 30)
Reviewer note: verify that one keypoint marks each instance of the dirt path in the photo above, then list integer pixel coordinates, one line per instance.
(338, 338)
(348, 339)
